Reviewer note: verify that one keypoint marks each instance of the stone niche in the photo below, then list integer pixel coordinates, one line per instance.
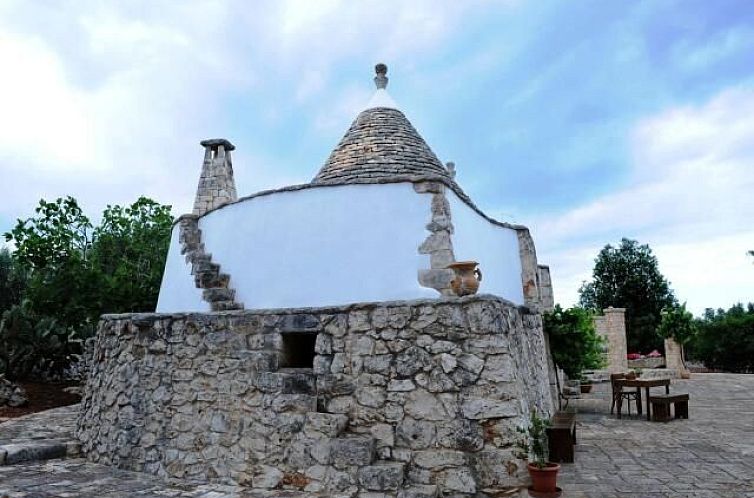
(403, 399)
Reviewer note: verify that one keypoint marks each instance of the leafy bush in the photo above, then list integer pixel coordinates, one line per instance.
(75, 271)
(574, 343)
(725, 339)
(13, 280)
(33, 346)
(677, 323)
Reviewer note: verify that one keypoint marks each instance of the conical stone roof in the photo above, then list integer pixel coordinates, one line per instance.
(381, 145)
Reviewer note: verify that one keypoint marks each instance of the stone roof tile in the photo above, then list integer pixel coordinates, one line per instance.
(381, 143)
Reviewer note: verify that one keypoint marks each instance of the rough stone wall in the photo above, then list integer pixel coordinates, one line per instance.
(529, 268)
(438, 245)
(216, 183)
(407, 399)
(612, 326)
(546, 296)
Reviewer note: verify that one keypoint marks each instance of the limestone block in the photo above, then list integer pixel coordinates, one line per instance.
(415, 434)
(423, 405)
(419, 491)
(382, 476)
(352, 450)
(478, 409)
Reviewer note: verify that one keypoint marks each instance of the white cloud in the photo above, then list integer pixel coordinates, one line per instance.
(689, 197)
(107, 101)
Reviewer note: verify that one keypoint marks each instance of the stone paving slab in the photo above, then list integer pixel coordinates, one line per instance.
(709, 456)
(39, 436)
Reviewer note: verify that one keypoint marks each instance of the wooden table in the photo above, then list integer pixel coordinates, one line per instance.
(646, 384)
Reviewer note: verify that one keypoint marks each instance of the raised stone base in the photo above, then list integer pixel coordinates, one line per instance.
(401, 398)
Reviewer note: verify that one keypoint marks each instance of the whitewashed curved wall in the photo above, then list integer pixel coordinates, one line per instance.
(319, 246)
(336, 245)
(494, 247)
(178, 291)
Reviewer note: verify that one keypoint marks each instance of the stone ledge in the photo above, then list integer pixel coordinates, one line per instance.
(147, 316)
(11, 454)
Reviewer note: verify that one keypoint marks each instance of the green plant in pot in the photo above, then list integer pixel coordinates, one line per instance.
(534, 448)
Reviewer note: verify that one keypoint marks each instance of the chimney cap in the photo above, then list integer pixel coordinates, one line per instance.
(216, 142)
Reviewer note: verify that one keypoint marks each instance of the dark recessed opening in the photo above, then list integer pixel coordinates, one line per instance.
(298, 350)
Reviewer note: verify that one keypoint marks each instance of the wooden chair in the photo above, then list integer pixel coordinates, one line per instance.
(618, 395)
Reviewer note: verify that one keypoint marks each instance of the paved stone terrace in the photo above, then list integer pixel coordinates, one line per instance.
(709, 456)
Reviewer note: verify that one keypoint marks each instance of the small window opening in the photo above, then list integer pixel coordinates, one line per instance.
(298, 350)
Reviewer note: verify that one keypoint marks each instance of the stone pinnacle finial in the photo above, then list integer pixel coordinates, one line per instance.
(380, 80)
(451, 167)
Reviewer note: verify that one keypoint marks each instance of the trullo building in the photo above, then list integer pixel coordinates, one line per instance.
(308, 337)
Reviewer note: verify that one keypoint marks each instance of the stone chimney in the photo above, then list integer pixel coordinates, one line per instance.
(216, 184)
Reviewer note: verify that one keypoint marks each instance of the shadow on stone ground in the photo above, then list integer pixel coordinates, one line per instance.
(711, 455)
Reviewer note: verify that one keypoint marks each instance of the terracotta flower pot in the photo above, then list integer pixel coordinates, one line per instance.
(468, 276)
(586, 388)
(544, 479)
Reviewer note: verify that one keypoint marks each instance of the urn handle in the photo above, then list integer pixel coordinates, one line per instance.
(478, 274)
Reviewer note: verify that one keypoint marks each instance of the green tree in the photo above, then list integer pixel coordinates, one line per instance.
(574, 343)
(129, 250)
(725, 339)
(628, 277)
(78, 271)
(13, 280)
(55, 246)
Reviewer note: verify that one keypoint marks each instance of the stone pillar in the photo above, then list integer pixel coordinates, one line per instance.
(216, 183)
(612, 326)
(529, 270)
(546, 296)
(674, 357)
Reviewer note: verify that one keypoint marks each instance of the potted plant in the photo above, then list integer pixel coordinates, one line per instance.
(533, 447)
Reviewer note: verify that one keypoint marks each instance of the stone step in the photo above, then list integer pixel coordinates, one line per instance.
(352, 450)
(205, 266)
(214, 294)
(211, 279)
(382, 476)
(37, 450)
(225, 305)
(195, 249)
(197, 255)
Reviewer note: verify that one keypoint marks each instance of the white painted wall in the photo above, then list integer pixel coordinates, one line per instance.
(316, 247)
(178, 291)
(494, 247)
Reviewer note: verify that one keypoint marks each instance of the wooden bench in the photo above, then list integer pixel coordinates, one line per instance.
(661, 406)
(561, 437)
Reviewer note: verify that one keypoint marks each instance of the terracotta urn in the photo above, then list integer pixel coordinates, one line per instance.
(467, 278)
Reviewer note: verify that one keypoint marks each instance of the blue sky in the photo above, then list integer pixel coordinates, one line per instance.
(585, 120)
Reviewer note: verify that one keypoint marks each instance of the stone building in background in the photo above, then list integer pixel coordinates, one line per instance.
(308, 337)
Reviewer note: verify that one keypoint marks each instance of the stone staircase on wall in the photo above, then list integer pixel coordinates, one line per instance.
(207, 275)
